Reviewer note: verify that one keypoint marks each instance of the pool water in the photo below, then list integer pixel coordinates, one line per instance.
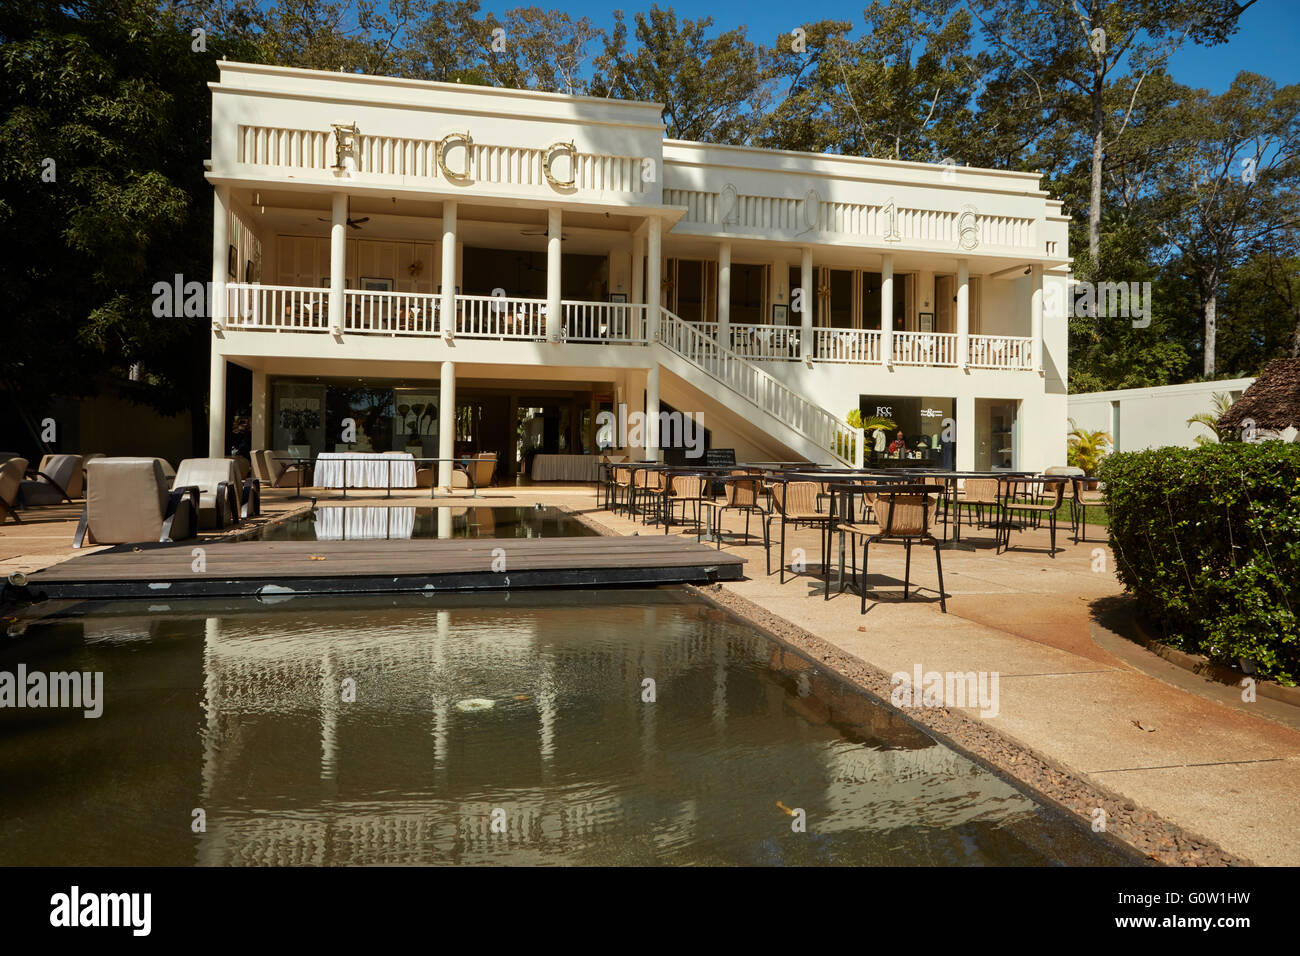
(369, 522)
(482, 729)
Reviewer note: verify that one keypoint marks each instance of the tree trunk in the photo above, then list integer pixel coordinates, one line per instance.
(1211, 328)
(1295, 339)
(1098, 158)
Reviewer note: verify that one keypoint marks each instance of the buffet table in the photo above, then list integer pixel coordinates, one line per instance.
(390, 469)
(566, 468)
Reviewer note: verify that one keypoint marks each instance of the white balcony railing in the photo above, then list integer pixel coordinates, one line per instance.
(925, 348)
(390, 313)
(604, 322)
(765, 343)
(857, 346)
(1012, 352)
(276, 307)
(500, 317)
(290, 308)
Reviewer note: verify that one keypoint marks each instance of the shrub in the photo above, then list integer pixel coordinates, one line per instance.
(1208, 541)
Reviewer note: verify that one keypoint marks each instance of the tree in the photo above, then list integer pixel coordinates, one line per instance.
(1215, 176)
(714, 89)
(102, 195)
(1072, 50)
(904, 89)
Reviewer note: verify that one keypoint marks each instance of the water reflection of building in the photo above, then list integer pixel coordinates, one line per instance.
(584, 770)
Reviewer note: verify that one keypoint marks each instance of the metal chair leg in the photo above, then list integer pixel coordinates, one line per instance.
(938, 562)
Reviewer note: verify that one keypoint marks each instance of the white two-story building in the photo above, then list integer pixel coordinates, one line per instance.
(459, 268)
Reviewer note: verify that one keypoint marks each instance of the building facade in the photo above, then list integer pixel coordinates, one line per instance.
(452, 268)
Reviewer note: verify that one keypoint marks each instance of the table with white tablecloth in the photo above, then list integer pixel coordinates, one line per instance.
(566, 468)
(390, 469)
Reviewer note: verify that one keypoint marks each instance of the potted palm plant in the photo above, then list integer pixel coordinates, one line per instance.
(1086, 448)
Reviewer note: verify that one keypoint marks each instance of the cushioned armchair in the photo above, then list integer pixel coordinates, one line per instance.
(12, 471)
(128, 501)
(58, 479)
(221, 500)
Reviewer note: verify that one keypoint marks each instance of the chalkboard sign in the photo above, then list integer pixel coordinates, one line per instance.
(719, 458)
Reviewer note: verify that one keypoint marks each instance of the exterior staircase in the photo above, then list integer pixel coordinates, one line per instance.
(756, 396)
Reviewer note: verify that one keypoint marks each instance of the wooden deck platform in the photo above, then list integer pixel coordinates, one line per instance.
(249, 568)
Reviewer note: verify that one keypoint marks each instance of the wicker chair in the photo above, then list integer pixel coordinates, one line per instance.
(903, 515)
(1044, 498)
(741, 493)
(794, 502)
(622, 487)
(980, 494)
(647, 492)
(1081, 499)
(686, 490)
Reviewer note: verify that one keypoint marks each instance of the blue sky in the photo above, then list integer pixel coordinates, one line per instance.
(1264, 43)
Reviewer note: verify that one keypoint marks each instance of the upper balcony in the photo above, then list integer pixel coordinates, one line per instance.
(267, 308)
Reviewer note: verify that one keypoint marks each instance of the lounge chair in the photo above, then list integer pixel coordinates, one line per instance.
(12, 471)
(274, 473)
(58, 479)
(129, 501)
(221, 493)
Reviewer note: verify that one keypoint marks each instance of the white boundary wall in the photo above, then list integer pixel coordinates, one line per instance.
(1139, 418)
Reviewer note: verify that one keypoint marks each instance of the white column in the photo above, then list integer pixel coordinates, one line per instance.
(446, 421)
(965, 433)
(963, 313)
(724, 294)
(216, 404)
(638, 267)
(338, 259)
(220, 243)
(652, 413)
(887, 308)
(260, 432)
(654, 270)
(447, 306)
(1036, 315)
(809, 302)
(554, 318)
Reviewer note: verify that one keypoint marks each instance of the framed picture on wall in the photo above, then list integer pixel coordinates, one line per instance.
(232, 262)
(618, 297)
(372, 284)
(248, 270)
(780, 314)
(927, 321)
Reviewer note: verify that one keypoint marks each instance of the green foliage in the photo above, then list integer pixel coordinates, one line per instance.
(1222, 402)
(1208, 542)
(870, 423)
(1085, 449)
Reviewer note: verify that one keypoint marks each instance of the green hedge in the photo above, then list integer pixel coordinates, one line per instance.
(1208, 541)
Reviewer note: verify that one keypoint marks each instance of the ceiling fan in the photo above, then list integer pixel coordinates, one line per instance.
(352, 223)
(542, 233)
